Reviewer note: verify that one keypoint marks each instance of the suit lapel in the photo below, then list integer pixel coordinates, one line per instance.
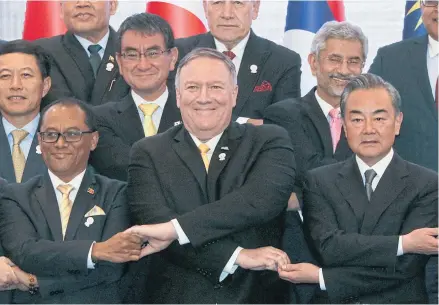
(34, 162)
(390, 186)
(84, 201)
(45, 196)
(171, 113)
(224, 150)
(206, 41)
(6, 166)
(185, 148)
(127, 112)
(255, 53)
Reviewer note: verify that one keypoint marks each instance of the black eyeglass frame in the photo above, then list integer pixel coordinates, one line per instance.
(44, 134)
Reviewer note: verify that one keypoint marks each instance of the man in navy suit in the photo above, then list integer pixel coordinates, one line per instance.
(24, 81)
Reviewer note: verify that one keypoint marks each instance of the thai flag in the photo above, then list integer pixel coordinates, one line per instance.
(413, 25)
(304, 19)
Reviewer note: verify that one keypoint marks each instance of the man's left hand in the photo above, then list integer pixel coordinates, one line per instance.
(299, 273)
(255, 122)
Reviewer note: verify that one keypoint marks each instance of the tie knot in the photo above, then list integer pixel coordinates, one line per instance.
(369, 175)
(334, 113)
(94, 48)
(148, 109)
(229, 54)
(65, 189)
(18, 135)
(203, 148)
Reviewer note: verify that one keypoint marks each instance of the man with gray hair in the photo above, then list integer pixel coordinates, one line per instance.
(210, 194)
(372, 217)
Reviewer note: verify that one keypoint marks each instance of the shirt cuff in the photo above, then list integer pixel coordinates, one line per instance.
(242, 120)
(182, 237)
(230, 267)
(400, 249)
(321, 280)
(90, 264)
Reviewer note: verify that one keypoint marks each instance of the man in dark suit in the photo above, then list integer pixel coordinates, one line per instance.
(267, 72)
(223, 201)
(412, 67)
(2, 42)
(62, 227)
(25, 80)
(145, 57)
(372, 216)
(85, 65)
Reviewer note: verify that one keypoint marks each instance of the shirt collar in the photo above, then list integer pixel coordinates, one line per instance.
(86, 43)
(433, 47)
(30, 127)
(326, 107)
(379, 167)
(238, 50)
(212, 143)
(75, 182)
(161, 100)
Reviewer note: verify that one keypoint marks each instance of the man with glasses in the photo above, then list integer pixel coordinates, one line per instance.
(146, 54)
(62, 227)
(411, 66)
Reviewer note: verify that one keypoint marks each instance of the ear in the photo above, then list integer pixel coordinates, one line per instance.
(47, 83)
(398, 123)
(39, 139)
(312, 61)
(119, 63)
(113, 7)
(94, 140)
(255, 8)
(61, 10)
(177, 96)
(205, 7)
(235, 95)
(174, 58)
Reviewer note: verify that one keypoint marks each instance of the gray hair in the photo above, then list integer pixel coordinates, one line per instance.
(369, 81)
(338, 30)
(206, 53)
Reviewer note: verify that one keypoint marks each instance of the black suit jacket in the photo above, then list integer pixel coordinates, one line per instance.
(357, 240)
(240, 202)
(34, 162)
(30, 230)
(277, 65)
(5, 296)
(72, 74)
(404, 65)
(119, 127)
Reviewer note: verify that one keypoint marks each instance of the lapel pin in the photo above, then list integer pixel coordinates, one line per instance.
(177, 123)
(253, 69)
(109, 67)
(38, 149)
(89, 221)
(224, 148)
(222, 156)
(91, 191)
(111, 58)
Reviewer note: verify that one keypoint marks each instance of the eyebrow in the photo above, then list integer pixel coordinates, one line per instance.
(154, 47)
(378, 111)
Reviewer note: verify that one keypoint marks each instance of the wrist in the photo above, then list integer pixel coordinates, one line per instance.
(96, 254)
(33, 284)
(405, 240)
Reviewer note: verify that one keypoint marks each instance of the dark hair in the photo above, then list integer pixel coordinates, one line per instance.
(90, 117)
(44, 59)
(148, 24)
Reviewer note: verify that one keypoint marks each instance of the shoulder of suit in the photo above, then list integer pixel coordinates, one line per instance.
(420, 173)
(108, 184)
(49, 43)
(397, 47)
(185, 45)
(277, 49)
(265, 132)
(291, 107)
(13, 190)
(105, 108)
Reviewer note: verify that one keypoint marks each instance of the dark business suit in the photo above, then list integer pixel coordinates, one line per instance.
(119, 127)
(5, 296)
(357, 240)
(30, 230)
(240, 202)
(404, 65)
(277, 65)
(34, 162)
(72, 74)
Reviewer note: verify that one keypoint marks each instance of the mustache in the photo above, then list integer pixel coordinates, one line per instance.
(346, 77)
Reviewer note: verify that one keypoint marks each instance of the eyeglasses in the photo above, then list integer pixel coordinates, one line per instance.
(429, 3)
(69, 136)
(337, 61)
(134, 55)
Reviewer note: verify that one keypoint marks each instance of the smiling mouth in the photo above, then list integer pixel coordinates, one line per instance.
(83, 16)
(16, 98)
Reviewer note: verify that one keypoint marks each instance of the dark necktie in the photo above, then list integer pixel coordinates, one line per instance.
(229, 54)
(369, 175)
(95, 59)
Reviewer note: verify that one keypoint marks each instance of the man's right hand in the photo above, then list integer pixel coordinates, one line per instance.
(421, 241)
(120, 248)
(265, 258)
(8, 279)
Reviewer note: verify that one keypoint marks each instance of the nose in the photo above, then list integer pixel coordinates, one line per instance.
(61, 142)
(227, 11)
(343, 68)
(16, 83)
(143, 63)
(369, 127)
(83, 3)
(204, 95)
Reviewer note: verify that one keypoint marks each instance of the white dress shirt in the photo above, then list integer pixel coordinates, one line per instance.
(160, 101)
(432, 63)
(26, 143)
(379, 168)
(230, 267)
(86, 43)
(325, 106)
(75, 183)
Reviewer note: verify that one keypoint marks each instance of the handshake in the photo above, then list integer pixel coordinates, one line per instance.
(12, 277)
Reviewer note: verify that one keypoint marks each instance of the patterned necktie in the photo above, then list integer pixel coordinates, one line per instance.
(335, 126)
(204, 149)
(66, 206)
(369, 175)
(18, 159)
(229, 54)
(148, 125)
(95, 59)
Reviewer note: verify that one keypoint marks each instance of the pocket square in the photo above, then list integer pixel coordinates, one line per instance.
(264, 86)
(95, 211)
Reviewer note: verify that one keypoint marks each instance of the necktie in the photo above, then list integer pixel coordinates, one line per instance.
(66, 206)
(335, 126)
(18, 159)
(95, 59)
(148, 125)
(229, 54)
(369, 175)
(204, 149)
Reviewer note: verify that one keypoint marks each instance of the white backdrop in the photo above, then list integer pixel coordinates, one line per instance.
(381, 20)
